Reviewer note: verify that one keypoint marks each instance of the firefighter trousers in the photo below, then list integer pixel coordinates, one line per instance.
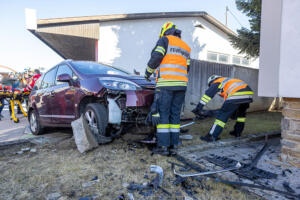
(233, 110)
(169, 107)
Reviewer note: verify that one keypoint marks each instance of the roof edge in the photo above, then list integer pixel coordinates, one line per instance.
(133, 16)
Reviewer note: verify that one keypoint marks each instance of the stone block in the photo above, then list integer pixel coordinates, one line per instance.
(291, 100)
(291, 113)
(290, 159)
(290, 143)
(292, 152)
(292, 105)
(84, 139)
(290, 125)
(291, 135)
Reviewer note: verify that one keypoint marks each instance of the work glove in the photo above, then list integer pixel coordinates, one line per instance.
(152, 118)
(198, 110)
(155, 119)
(147, 78)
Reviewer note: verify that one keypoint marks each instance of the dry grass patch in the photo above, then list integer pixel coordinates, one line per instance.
(257, 122)
(61, 168)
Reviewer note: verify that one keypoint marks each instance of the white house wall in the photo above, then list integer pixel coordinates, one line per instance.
(129, 43)
(280, 46)
(290, 48)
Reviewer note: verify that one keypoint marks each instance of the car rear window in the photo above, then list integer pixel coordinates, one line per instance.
(95, 68)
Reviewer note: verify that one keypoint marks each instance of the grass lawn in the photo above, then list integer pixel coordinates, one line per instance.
(257, 122)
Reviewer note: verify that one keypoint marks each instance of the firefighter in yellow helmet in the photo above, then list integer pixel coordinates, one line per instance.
(237, 96)
(170, 58)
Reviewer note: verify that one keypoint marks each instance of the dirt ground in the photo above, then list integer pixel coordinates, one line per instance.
(60, 168)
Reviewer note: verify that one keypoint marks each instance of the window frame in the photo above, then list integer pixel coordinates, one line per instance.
(223, 54)
(210, 52)
(54, 83)
(218, 57)
(239, 57)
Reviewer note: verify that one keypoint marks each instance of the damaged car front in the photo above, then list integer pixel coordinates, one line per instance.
(127, 98)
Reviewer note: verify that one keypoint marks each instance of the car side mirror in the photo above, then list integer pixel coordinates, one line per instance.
(65, 78)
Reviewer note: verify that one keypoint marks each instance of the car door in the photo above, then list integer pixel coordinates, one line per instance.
(43, 97)
(63, 98)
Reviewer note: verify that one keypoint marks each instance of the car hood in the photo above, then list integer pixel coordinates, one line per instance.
(141, 81)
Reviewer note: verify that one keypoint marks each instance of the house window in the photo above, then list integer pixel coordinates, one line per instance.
(245, 61)
(236, 60)
(217, 57)
(223, 58)
(212, 56)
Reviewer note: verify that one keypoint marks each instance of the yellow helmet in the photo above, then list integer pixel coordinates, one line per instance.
(165, 27)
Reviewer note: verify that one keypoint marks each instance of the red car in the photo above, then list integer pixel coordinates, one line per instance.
(109, 98)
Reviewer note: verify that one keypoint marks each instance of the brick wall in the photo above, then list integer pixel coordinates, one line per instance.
(290, 150)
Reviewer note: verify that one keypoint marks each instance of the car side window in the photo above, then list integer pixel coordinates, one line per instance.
(38, 83)
(49, 78)
(63, 69)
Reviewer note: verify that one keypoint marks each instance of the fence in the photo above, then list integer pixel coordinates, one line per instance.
(201, 70)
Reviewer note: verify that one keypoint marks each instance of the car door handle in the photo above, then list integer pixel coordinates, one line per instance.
(52, 94)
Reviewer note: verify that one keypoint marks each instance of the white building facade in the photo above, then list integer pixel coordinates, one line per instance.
(126, 41)
(129, 43)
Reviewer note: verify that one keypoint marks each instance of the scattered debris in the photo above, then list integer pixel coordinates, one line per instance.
(258, 155)
(195, 167)
(130, 196)
(237, 166)
(187, 124)
(287, 186)
(186, 137)
(147, 189)
(284, 172)
(53, 196)
(33, 150)
(159, 171)
(247, 170)
(93, 197)
(95, 179)
(90, 183)
(25, 149)
(20, 152)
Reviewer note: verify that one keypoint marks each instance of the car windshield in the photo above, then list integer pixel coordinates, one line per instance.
(96, 68)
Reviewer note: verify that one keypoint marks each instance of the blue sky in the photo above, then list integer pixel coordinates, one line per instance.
(20, 49)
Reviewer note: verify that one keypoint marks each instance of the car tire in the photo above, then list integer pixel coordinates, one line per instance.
(34, 123)
(95, 115)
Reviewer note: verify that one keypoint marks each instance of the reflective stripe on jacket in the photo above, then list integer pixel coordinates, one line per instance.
(172, 70)
(232, 88)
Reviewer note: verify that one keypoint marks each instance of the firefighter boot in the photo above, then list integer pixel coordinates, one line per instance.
(209, 138)
(162, 150)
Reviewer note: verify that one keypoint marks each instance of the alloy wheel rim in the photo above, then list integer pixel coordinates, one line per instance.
(33, 123)
(91, 120)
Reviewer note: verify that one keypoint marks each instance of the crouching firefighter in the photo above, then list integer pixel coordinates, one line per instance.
(237, 96)
(170, 58)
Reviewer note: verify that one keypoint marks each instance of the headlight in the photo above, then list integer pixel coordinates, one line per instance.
(115, 83)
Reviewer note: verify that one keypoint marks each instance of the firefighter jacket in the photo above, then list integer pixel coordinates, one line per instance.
(231, 89)
(31, 83)
(171, 59)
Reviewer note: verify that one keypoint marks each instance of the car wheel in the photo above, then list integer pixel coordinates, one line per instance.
(96, 117)
(34, 123)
